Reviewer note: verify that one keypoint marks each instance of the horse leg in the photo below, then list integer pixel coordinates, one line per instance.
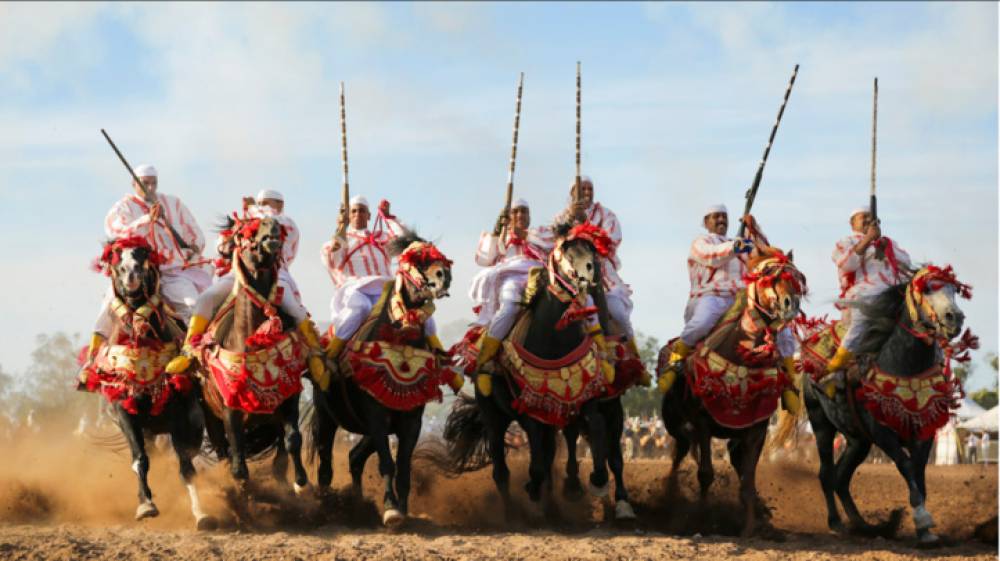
(378, 432)
(598, 449)
(825, 433)
(186, 440)
(749, 455)
(572, 489)
(324, 432)
(854, 454)
(237, 447)
(549, 457)
(289, 411)
(408, 432)
(706, 473)
(357, 458)
(905, 464)
(132, 429)
(615, 418)
(279, 465)
(536, 464)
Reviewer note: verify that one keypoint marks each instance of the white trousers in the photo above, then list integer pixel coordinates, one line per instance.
(856, 322)
(703, 312)
(511, 292)
(620, 308)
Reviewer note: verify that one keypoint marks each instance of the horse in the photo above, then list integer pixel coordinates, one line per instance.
(129, 370)
(389, 369)
(733, 379)
(251, 359)
(896, 395)
(553, 367)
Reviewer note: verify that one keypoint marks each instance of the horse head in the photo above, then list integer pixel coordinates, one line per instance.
(775, 287)
(423, 272)
(258, 242)
(133, 267)
(931, 301)
(574, 260)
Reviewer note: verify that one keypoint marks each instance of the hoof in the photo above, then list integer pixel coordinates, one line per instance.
(206, 524)
(572, 490)
(623, 511)
(146, 510)
(392, 518)
(300, 489)
(928, 539)
(599, 492)
(922, 519)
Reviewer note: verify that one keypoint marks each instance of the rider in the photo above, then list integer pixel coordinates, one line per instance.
(172, 232)
(617, 294)
(716, 266)
(507, 253)
(359, 265)
(865, 271)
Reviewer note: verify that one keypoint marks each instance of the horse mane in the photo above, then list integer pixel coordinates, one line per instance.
(762, 253)
(561, 229)
(403, 241)
(883, 313)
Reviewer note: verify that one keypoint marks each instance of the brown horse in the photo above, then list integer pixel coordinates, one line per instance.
(252, 359)
(733, 379)
(129, 370)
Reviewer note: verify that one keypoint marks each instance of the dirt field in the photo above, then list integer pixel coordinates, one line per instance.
(73, 500)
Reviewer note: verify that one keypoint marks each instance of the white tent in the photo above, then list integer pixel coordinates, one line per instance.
(984, 422)
(968, 409)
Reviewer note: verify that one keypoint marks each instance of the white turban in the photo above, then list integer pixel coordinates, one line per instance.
(145, 170)
(269, 194)
(359, 200)
(716, 208)
(859, 210)
(519, 203)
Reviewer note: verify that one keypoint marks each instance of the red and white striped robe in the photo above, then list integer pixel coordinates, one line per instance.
(130, 217)
(713, 267)
(863, 275)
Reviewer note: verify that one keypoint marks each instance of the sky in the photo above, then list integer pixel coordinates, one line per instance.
(678, 100)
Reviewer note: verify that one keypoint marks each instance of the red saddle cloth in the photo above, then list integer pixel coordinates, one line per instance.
(913, 407)
(260, 380)
(398, 376)
(628, 367)
(819, 339)
(124, 373)
(553, 391)
(735, 396)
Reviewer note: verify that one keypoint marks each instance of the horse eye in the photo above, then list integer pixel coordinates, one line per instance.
(440, 274)
(590, 266)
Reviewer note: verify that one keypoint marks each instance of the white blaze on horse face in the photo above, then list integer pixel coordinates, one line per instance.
(129, 270)
(947, 316)
(437, 281)
(577, 264)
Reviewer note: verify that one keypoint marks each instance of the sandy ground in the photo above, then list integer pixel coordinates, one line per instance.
(71, 499)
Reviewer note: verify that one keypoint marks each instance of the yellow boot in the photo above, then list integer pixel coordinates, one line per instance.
(316, 368)
(457, 380)
(678, 353)
(335, 347)
(838, 362)
(95, 343)
(487, 350)
(609, 371)
(182, 362)
(789, 397)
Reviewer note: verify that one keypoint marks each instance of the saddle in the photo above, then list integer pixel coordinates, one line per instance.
(255, 381)
(392, 365)
(735, 395)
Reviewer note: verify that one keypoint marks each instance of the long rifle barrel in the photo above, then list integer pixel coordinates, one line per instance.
(577, 196)
(752, 191)
(874, 201)
(346, 189)
(513, 144)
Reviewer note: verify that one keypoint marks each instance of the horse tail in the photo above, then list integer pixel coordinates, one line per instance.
(465, 447)
(788, 425)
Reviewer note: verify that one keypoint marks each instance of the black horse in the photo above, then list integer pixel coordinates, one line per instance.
(911, 324)
(128, 368)
(474, 431)
(350, 401)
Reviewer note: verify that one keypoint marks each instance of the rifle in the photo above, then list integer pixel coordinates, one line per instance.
(145, 194)
(346, 190)
(576, 191)
(513, 152)
(752, 191)
(873, 202)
